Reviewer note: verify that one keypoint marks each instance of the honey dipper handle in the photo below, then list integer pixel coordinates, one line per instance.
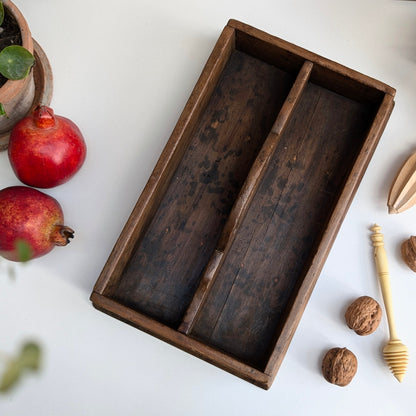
(382, 267)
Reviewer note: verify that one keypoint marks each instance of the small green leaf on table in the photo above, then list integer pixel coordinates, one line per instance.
(28, 359)
(11, 375)
(30, 356)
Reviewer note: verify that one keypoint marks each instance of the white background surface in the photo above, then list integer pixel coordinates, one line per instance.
(123, 71)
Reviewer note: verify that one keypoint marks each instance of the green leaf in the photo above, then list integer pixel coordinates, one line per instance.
(3, 111)
(11, 375)
(30, 356)
(24, 251)
(15, 62)
(28, 359)
(1, 13)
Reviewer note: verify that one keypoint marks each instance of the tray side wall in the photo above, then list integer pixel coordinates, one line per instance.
(181, 341)
(328, 73)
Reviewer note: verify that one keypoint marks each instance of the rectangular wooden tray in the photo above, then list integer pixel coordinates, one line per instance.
(224, 246)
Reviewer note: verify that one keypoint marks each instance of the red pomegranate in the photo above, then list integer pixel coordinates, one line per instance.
(31, 224)
(46, 150)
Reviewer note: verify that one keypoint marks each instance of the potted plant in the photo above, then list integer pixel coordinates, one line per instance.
(25, 75)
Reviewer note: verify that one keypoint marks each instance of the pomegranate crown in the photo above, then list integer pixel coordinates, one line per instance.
(43, 116)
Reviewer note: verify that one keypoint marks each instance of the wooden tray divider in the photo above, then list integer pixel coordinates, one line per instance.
(245, 197)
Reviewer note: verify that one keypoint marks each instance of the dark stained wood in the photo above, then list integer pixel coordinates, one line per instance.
(283, 227)
(166, 266)
(181, 341)
(224, 246)
(304, 288)
(171, 156)
(290, 57)
(245, 197)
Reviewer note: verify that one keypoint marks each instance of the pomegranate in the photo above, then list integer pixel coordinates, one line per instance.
(30, 221)
(46, 150)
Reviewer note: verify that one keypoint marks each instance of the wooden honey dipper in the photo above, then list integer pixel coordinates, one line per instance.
(395, 352)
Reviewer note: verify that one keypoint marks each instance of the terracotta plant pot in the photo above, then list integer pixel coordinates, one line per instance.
(18, 97)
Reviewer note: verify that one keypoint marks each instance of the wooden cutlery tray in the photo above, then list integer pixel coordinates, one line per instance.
(223, 248)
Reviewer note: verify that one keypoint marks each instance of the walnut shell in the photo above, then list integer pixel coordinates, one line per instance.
(408, 250)
(339, 366)
(363, 315)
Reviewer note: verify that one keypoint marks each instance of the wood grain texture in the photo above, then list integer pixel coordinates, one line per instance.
(290, 57)
(241, 210)
(305, 287)
(243, 201)
(395, 353)
(171, 156)
(194, 347)
(402, 194)
(165, 268)
(277, 239)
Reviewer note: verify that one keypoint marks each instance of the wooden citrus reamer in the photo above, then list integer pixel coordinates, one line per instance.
(395, 352)
(402, 195)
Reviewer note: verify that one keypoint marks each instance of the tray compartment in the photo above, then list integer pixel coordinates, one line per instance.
(289, 57)
(224, 246)
(277, 240)
(165, 268)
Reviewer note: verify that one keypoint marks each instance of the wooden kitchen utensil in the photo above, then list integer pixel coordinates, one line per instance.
(402, 194)
(395, 352)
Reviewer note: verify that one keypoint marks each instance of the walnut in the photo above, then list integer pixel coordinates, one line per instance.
(363, 315)
(408, 250)
(339, 366)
